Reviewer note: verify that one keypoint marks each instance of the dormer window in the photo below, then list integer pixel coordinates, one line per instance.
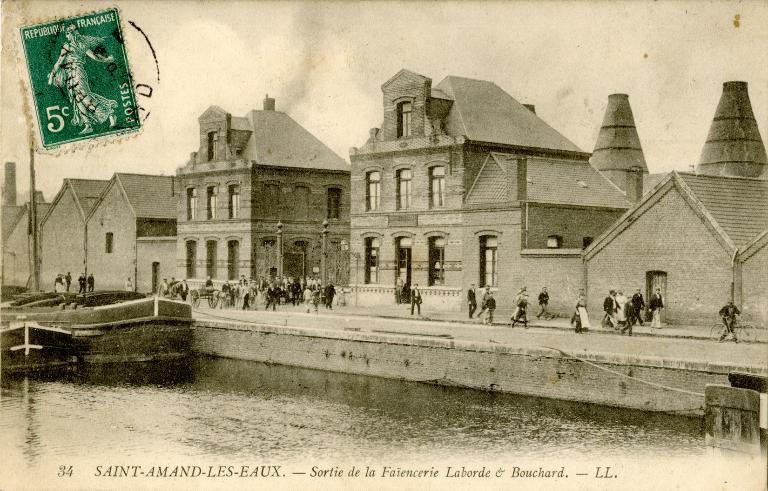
(404, 119)
(212, 137)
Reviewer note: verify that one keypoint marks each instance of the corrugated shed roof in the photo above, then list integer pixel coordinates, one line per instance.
(87, 191)
(572, 183)
(482, 111)
(738, 205)
(151, 196)
(279, 140)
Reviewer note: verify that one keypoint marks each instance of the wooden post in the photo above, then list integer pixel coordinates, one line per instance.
(34, 252)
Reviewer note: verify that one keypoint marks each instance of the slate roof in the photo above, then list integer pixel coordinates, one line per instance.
(738, 205)
(572, 183)
(279, 140)
(548, 181)
(87, 191)
(482, 111)
(150, 196)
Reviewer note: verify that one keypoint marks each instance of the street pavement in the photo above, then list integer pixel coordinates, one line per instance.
(679, 343)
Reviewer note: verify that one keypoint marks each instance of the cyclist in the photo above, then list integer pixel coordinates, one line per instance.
(729, 313)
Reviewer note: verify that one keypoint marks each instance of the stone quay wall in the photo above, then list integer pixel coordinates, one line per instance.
(538, 372)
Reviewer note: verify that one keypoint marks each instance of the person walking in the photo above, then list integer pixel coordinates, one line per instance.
(307, 297)
(483, 300)
(638, 306)
(68, 280)
(609, 307)
(416, 298)
(656, 305)
(490, 308)
(330, 292)
(399, 290)
(580, 318)
(543, 302)
(471, 300)
(184, 290)
(91, 282)
(621, 312)
(730, 314)
(316, 297)
(521, 312)
(271, 297)
(81, 282)
(128, 284)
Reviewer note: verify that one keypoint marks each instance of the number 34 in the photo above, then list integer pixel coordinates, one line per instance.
(65, 471)
(55, 120)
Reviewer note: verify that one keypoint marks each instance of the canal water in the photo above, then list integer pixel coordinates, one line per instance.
(223, 410)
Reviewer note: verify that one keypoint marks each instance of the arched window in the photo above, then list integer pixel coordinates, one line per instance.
(233, 259)
(210, 258)
(211, 202)
(234, 200)
(436, 187)
(372, 190)
(489, 265)
(372, 260)
(404, 182)
(404, 119)
(212, 137)
(436, 261)
(334, 203)
(191, 203)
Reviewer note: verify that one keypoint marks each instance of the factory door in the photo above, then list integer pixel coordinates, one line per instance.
(654, 280)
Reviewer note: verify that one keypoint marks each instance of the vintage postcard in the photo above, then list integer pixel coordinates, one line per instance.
(384, 245)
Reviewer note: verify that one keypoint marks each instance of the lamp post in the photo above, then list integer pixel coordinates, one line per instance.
(356, 255)
(324, 254)
(280, 251)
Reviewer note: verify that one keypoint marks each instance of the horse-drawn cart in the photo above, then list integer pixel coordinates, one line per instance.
(210, 294)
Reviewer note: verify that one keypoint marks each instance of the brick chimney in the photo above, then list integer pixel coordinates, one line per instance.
(9, 185)
(617, 149)
(734, 146)
(634, 184)
(269, 103)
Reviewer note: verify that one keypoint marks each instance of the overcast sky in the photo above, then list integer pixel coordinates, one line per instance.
(325, 63)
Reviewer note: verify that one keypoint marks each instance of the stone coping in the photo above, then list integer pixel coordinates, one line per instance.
(622, 359)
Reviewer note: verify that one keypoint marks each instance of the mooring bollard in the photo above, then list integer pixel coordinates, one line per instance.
(736, 417)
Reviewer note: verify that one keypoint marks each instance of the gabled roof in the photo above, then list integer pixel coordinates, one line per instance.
(734, 209)
(150, 196)
(572, 183)
(279, 140)
(491, 184)
(10, 215)
(86, 193)
(483, 112)
(739, 205)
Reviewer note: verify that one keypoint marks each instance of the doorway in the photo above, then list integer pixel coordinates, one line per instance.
(403, 255)
(654, 280)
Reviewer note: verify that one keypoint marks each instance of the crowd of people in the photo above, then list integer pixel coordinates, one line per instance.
(63, 283)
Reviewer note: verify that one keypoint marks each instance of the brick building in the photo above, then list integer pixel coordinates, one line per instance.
(131, 232)
(699, 237)
(249, 175)
(62, 229)
(463, 184)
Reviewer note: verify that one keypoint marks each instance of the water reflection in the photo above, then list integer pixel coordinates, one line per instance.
(218, 408)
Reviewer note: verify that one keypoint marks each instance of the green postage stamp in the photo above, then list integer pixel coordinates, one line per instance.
(80, 79)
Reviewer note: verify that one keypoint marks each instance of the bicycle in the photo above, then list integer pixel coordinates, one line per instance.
(741, 330)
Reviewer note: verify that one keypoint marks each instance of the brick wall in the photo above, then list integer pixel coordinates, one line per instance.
(160, 250)
(668, 237)
(112, 215)
(572, 224)
(62, 242)
(754, 283)
(485, 366)
(411, 87)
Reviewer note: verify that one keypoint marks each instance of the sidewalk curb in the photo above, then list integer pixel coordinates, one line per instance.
(540, 326)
